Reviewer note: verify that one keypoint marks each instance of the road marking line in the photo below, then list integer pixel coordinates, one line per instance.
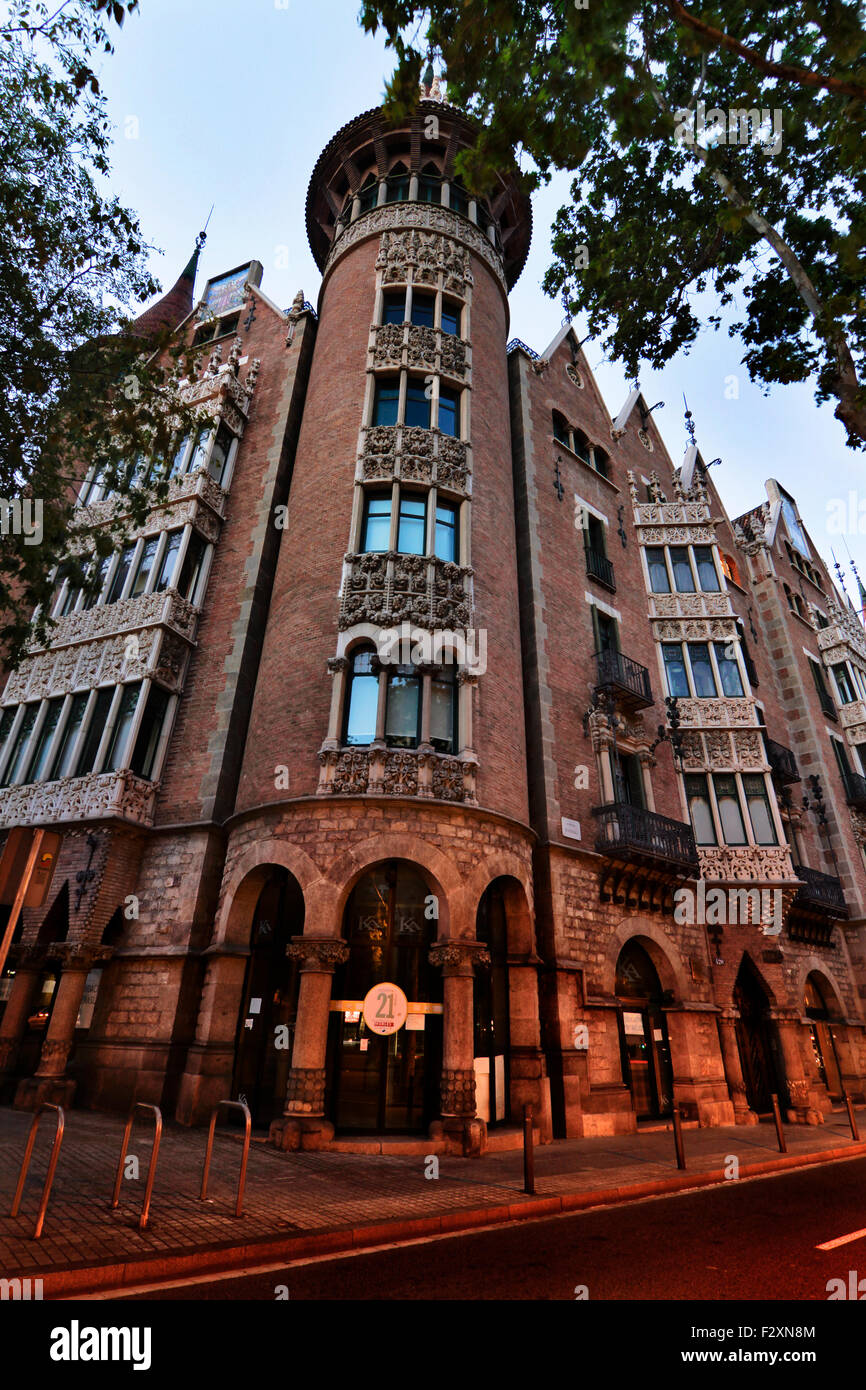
(842, 1240)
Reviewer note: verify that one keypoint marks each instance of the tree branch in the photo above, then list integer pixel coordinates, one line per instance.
(788, 71)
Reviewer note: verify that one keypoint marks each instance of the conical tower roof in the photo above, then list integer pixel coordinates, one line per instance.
(174, 306)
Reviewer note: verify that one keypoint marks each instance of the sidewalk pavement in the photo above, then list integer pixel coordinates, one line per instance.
(300, 1204)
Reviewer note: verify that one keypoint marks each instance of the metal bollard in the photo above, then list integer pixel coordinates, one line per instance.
(244, 1109)
(780, 1133)
(528, 1152)
(151, 1167)
(855, 1133)
(678, 1136)
(52, 1164)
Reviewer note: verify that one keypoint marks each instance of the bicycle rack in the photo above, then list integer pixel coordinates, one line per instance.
(151, 1167)
(233, 1105)
(52, 1164)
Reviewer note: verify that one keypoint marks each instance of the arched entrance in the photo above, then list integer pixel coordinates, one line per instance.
(269, 1003)
(492, 1042)
(820, 1008)
(377, 1083)
(755, 1039)
(645, 1049)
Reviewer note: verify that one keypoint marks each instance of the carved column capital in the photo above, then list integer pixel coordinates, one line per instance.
(78, 955)
(317, 954)
(336, 664)
(459, 957)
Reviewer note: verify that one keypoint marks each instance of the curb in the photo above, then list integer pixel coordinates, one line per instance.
(115, 1276)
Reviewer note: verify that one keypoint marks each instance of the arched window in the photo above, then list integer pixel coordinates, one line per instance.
(602, 462)
(730, 571)
(362, 698)
(368, 193)
(397, 184)
(430, 185)
(458, 199)
(580, 445)
(561, 431)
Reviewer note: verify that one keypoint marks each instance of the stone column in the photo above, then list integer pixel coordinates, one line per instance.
(50, 1083)
(743, 1115)
(303, 1124)
(459, 1122)
(18, 1006)
(790, 1029)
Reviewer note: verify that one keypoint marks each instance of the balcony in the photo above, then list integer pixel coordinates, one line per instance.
(855, 789)
(630, 833)
(121, 795)
(625, 679)
(819, 892)
(599, 567)
(782, 762)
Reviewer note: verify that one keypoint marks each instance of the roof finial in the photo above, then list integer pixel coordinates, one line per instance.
(690, 423)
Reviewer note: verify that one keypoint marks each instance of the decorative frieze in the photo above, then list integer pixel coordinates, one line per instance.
(739, 750)
(695, 630)
(690, 606)
(852, 715)
(99, 795)
(388, 588)
(711, 714)
(407, 452)
(167, 609)
(420, 349)
(679, 534)
(188, 486)
(747, 863)
(381, 771)
(673, 514)
(432, 239)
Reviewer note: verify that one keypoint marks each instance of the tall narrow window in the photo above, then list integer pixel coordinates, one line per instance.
(18, 755)
(219, 455)
(178, 457)
(700, 810)
(63, 757)
(386, 402)
(7, 719)
(675, 670)
(144, 567)
(394, 307)
(451, 315)
(403, 711)
(449, 412)
(417, 405)
(683, 578)
(446, 532)
(169, 560)
(147, 742)
(729, 671)
(459, 199)
(120, 573)
(430, 185)
(605, 631)
(602, 462)
(397, 184)
(844, 684)
(730, 814)
(707, 576)
(443, 710)
(702, 670)
(423, 309)
(95, 730)
(412, 526)
(627, 779)
(96, 582)
(580, 445)
(368, 194)
(39, 760)
(191, 569)
(760, 814)
(824, 695)
(118, 747)
(362, 699)
(377, 522)
(658, 570)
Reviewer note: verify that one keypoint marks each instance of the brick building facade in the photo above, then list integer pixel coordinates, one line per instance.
(432, 673)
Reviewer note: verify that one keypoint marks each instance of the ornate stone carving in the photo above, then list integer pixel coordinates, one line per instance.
(400, 777)
(459, 956)
(704, 606)
(115, 794)
(318, 953)
(398, 772)
(747, 863)
(447, 778)
(389, 588)
(421, 234)
(392, 451)
(458, 1092)
(714, 713)
(695, 630)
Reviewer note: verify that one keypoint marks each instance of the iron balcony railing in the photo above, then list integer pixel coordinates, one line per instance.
(855, 789)
(632, 832)
(782, 761)
(599, 567)
(624, 676)
(819, 890)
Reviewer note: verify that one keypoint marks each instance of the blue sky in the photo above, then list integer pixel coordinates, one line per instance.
(231, 101)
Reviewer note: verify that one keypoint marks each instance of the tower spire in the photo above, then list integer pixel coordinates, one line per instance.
(174, 306)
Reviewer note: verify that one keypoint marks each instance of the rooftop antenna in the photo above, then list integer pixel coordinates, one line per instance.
(690, 423)
(202, 236)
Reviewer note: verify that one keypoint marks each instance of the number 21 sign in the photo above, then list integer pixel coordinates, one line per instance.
(385, 1008)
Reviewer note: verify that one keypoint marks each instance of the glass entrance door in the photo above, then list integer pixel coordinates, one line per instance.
(391, 1082)
(646, 1053)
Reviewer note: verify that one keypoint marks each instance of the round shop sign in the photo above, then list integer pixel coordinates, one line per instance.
(385, 1008)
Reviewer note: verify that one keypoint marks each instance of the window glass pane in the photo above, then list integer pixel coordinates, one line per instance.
(446, 533)
(449, 413)
(149, 733)
(120, 574)
(422, 310)
(683, 579)
(394, 308)
(443, 705)
(675, 669)
(94, 588)
(189, 575)
(458, 199)
(701, 814)
(177, 458)
(729, 671)
(397, 188)
(377, 524)
(401, 716)
(220, 454)
(733, 829)
(145, 565)
(95, 730)
(658, 571)
(411, 538)
(39, 761)
(63, 757)
(166, 569)
(19, 750)
(123, 722)
(386, 403)
(369, 194)
(417, 405)
(7, 719)
(363, 699)
(759, 809)
(580, 445)
(560, 430)
(450, 318)
(702, 671)
(707, 577)
(429, 189)
(843, 682)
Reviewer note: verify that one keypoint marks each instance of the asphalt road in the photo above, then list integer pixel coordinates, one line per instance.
(752, 1240)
